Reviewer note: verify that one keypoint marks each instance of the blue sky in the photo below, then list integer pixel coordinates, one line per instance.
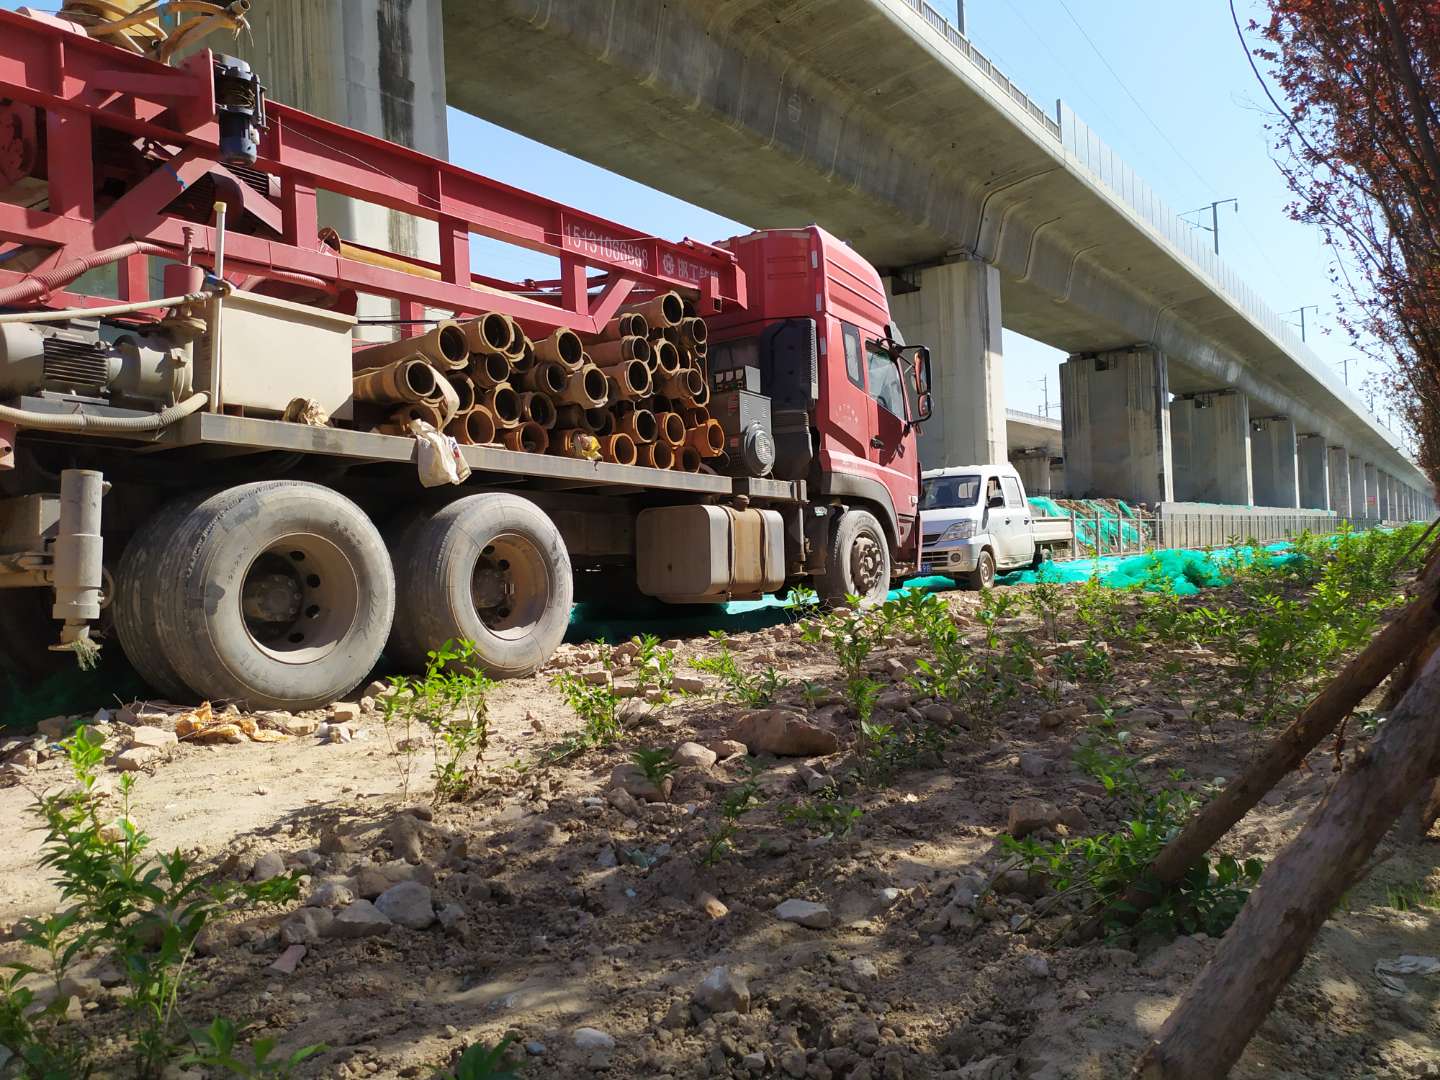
(1167, 85)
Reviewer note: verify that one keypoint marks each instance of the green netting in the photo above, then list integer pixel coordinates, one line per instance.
(1114, 531)
(1187, 571)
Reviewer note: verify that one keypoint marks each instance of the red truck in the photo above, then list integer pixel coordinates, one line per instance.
(191, 474)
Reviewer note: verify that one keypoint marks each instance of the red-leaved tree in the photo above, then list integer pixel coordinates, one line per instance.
(1359, 143)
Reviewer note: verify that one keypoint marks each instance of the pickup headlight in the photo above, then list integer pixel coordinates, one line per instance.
(961, 530)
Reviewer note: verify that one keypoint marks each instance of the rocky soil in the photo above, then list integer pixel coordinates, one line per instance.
(593, 918)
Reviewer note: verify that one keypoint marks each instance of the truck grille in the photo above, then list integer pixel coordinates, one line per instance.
(74, 365)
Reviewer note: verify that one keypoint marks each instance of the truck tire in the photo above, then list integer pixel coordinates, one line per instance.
(136, 588)
(858, 561)
(1042, 556)
(27, 630)
(278, 594)
(983, 576)
(489, 569)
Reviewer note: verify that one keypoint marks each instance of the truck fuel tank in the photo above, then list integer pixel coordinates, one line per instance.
(708, 554)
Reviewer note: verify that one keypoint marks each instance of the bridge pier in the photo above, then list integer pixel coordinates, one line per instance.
(1382, 494)
(1372, 491)
(1314, 472)
(1212, 448)
(1033, 465)
(1274, 471)
(1116, 425)
(956, 311)
(1338, 470)
(1359, 508)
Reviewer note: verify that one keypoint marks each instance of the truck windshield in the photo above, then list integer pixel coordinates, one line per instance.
(949, 492)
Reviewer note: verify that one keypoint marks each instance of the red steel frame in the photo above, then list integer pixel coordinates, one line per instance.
(83, 84)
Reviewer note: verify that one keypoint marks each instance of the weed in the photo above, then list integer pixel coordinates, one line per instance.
(596, 704)
(215, 1048)
(862, 693)
(1411, 897)
(753, 691)
(825, 813)
(657, 764)
(654, 666)
(449, 702)
(720, 842)
(481, 1062)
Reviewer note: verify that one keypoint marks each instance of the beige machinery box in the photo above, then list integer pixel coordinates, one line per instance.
(706, 554)
(273, 351)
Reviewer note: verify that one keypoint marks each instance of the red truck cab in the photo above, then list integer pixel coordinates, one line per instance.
(862, 398)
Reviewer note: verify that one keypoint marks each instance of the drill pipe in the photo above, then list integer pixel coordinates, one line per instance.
(538, 409)
(464, 391)
(411, 379)
(445, 346)
(694, 332)
(630, 324)
(610, 353)
(631, 380)
(640, 425)
(563, 347)
(529, 438)
(687, 459)
(667, 309)
(672, 429)
(656, 456)
(576, 444)
(503, 403)
(546, 378)
(399, 421)
(708, 438)
(587, 387)
(618, 449)
(489, 369)
(688, 385)
(667, 357)
(490, 333)
(475, 428)
(697, 416)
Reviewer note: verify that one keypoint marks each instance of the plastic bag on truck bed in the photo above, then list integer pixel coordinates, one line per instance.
(439, 460)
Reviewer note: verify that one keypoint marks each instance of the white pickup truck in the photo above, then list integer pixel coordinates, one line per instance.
(976, 521)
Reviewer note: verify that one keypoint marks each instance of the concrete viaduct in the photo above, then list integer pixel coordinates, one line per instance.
(881, 122)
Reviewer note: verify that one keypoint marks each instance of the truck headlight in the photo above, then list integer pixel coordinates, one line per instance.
(961, 530)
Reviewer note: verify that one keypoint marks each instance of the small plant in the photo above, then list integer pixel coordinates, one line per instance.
(656, 764)
(449, 703)
(721, 841)
(481, 1062)
(1411, 897)
(813, 692)
(215, 1049)
(825, 813)
(596, 704)
(862, 693)
(654, 666)
(753, 691)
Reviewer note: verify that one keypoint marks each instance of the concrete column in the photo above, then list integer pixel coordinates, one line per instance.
(1372, 492)
(1358, 505)
(375, 65)
(1274, 465)
(1382, 490)
(1034, 469)
(1314, 472)
(1338, 464)
(956, 311)
(1116, 425)
(1212, 448)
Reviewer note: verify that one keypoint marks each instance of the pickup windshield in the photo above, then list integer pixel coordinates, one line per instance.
(949, 492)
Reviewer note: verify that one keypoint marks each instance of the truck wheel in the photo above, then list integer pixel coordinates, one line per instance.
(983, 576)
(858, 562)
(136, 590)
(278, 594)
(27, 630)
(488, 569)
(1042, 556)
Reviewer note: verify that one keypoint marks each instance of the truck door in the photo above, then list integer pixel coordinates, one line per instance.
(892, 445)
(1019, 540)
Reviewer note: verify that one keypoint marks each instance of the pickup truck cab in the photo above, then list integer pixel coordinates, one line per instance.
(975, 521)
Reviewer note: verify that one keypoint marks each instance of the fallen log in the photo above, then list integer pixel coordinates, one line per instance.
(1388, 650)
(1209, 1029)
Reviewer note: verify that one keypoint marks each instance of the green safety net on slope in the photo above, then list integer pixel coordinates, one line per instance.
(1187, 571)
(1114, 529)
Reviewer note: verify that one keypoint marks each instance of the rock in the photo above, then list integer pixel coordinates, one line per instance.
(688, 684)
(136, 758)
(1031, 815)
(792, 1063)
(887, 898)
(754, 1062)
(813, 779)
(815, 916)
(153, 736)
(25, 759)
(286, 963)
(595, 677)
(81, 986)
(991, 1068)
(450, 917)
(300, 725)
(711, 905)
(724, 749)
(330, 894)
(590, 1039)
(607, 860)
(692, 753)
(408, 904)
(361, 919)
(897, 699)
(370, 882)
(623, 801)
(378, 689)
(1037, 965)
(723, 991)
(535, 1048)
(404, 833)
(57, 727)
(1034, 765)
(267, 866)
(936, 713)
(345, 712)
(785, 734)
(677, 1017)
(306, 926)
(629, 778)
(1059, 717)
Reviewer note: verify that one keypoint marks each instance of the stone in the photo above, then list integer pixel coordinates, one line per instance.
(345, 712)
(722, 991)
(1034, 765)
(136, 758)
(25, 759)
(990, 1068)
(812, 915)
(300, 725)
(378, 689)
(631, 779)
(692, 753)
(370, 882)
(57, 727)
(936, 713)
(895, 670)
(887, 898)
(84, 987)
(409, 904)
(267, 866)
(785, 734)
(361, 919)
(159, 738)
(896, 699)
(591, 1039)
(1037, 965)
(711, 905)
(1031, 815)
(288, 960)
(306, 926)
(676, 1017)
(451, 917)
(813, 779)
(404, 833)
(754, 1062)
(792, 1063)
(1059, 717)
(623, 801)
(330, 894)
(724, 749)
(688, 684)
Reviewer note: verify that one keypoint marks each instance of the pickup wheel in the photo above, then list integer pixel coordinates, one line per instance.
(983, 576)
(488, 569)
(1042, 556)
(858, 562)
(276, 594)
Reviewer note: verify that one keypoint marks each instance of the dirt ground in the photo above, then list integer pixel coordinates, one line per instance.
(560, 904)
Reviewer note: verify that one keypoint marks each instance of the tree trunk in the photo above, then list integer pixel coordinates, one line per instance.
(1356, 681)
(1208, 1030)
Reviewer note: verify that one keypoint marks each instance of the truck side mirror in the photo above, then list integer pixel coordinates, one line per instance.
(924, 407)
(997, 502)
(922, 371)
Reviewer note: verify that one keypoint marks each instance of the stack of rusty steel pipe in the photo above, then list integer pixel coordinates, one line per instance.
(634, 394)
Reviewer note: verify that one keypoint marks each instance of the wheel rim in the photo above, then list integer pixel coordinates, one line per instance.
(987, 569)
(867, 563)
(511, 586)
(299, 598)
